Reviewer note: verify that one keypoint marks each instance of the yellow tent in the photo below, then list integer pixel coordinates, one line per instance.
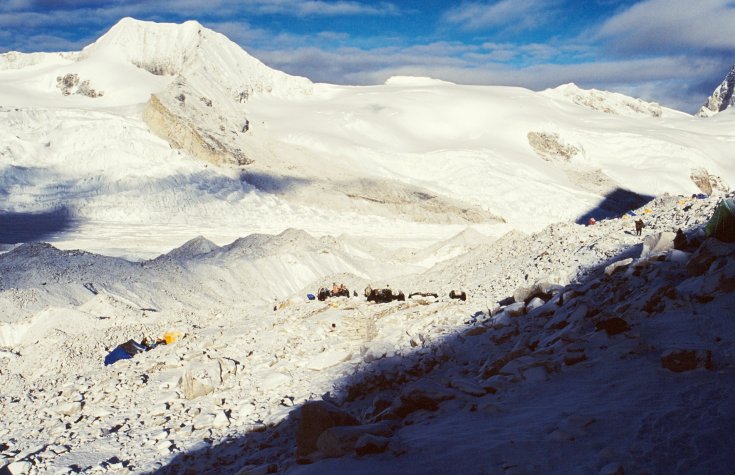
(171, 337)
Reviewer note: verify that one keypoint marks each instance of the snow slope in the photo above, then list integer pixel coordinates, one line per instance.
(410, 156)
(185, 187)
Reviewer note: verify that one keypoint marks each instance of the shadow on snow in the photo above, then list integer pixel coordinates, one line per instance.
(614, 204)
(32, 227)
(269, 183)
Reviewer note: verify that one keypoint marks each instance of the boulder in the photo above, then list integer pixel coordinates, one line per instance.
(258, 469)
(610, 270)
(68, 408)
(468, 386)
(613, 326)
(17, 468)
(424, 394)
(708, 252)
(515, 310)
(341, 440)
(541, 290)
(656, 244)
(220, 420)
(203, 421)
(680, 360)
(720, 280)
(612, 469)
(315, 418)
(371, 444)
(521, 294)
(534, 303)
(200, 378)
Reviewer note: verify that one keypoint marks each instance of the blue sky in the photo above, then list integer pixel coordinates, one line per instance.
(671, 51)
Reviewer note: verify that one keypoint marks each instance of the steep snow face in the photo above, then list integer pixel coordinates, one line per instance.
(195, 52)
(136, 59)
(722, 98)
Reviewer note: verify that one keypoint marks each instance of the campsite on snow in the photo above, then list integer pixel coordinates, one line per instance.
(210, 266)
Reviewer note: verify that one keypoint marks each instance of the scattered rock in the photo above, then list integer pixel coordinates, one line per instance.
(681, 360)
(613, 326)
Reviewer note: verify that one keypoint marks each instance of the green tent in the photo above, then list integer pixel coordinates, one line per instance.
(722, 223)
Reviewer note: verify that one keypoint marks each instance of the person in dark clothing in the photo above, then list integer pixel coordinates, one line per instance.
(639, 225)
(680, 241)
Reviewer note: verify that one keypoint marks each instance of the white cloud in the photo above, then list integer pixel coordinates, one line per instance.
(668, 80)
(505, 14)
(670, 25)
(15, 5)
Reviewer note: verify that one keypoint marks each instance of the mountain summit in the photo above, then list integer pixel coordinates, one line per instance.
(202, 108)
(191, 50)
(721, 98)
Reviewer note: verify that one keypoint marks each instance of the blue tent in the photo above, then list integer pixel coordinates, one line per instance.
(124, 352)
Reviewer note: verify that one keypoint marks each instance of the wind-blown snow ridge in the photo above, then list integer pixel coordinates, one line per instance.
(608, 102)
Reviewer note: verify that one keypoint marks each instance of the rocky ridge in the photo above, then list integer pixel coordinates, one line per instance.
(721, 98)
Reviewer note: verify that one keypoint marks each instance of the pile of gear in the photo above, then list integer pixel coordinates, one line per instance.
(337, 291)
(131, 348)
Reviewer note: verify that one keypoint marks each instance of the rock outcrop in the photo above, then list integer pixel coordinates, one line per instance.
(183, 133)
(721, 98)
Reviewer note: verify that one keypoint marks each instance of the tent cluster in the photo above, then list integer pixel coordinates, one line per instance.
(721, 225)
(131, 348)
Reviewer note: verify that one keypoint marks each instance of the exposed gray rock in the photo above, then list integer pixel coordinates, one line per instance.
(721, 98)
(550, 147)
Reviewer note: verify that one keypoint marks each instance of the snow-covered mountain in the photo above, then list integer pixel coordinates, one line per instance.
(722, 98)
(164, 183)
(233, 147)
